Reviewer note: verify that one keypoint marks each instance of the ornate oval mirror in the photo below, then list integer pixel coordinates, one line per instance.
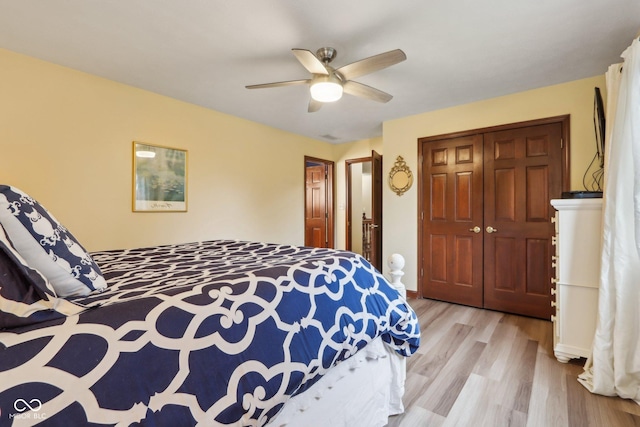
(400, 177)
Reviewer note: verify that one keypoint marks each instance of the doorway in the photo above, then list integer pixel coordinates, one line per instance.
(318, 207)
(485, 223)
(364, 207)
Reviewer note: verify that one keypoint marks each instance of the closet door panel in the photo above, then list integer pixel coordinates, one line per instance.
(452, 262)
(537, 254)
(504, 194)
(519, 179)
(537, 193)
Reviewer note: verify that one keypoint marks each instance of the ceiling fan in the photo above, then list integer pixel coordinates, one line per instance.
(327, 83)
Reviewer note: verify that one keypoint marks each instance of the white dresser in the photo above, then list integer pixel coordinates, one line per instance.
(577, 262)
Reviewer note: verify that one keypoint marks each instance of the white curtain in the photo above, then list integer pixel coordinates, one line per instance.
(614, 366)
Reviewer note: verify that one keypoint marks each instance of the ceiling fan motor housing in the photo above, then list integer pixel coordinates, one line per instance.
(326, 54)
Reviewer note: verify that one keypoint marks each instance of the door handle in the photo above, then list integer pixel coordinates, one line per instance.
(475, 229)
(490, 230)
(374, 225)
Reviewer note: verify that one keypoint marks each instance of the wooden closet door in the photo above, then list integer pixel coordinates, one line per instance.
(452, 174)
(502, 180)
(523, 171)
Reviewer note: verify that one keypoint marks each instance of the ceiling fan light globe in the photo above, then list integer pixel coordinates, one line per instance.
(326, 91)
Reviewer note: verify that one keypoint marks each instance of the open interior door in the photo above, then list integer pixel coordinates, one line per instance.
(376, 210)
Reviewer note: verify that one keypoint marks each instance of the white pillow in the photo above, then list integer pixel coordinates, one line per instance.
(47, 246)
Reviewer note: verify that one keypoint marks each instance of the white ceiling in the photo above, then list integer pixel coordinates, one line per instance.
(206, 51)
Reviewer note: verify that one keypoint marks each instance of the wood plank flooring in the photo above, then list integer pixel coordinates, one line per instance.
(484, 368)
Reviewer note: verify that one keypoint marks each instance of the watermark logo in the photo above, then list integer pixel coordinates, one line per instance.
(22, 405)
(28, 409)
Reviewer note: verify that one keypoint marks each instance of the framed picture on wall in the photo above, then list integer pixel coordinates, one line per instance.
(159, 178)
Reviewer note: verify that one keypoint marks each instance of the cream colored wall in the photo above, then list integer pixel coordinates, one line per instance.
(356, 214)
(400, 138)
(65, 138)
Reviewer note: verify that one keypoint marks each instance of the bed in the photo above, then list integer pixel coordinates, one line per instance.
(209, 333)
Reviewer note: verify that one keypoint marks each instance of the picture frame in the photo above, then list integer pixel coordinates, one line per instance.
(159, 178)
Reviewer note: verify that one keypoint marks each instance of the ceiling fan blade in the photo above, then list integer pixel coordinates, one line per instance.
(310, 61)
(279, 84)
(314, 105)
(371, 64)
(364, 91)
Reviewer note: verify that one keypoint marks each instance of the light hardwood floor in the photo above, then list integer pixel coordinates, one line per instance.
(483, 368)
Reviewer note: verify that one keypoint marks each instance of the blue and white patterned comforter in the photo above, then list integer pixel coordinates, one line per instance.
(209, 333)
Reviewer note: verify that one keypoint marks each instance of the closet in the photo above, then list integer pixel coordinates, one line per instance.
(485, 228)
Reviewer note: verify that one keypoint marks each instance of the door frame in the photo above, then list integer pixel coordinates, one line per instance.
(376, 203)
(564, 120)
(330, 188)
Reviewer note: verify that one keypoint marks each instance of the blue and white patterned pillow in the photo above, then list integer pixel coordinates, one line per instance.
(47, 246)
(26, 297)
